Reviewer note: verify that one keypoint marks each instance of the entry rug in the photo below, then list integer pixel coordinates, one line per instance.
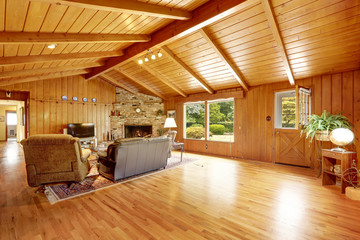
(94, 181)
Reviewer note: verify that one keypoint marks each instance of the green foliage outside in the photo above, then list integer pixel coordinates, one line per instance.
(217, 129)
(220, 114)
(288, 112)
(195, 114)
(229, 126)
(195, 132)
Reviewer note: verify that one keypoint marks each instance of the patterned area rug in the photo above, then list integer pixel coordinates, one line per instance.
(94, 181)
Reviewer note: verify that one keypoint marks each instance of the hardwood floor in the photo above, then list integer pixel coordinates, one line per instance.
(213, 198)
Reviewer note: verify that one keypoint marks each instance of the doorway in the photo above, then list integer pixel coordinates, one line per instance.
(12, 121)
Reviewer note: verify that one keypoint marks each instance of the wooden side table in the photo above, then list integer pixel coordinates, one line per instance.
(329, 159)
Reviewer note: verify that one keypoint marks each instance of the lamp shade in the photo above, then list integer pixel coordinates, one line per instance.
(170, 123)
(341, 136)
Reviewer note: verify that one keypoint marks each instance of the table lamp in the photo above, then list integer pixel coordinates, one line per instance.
(341, 137)
(170, 123)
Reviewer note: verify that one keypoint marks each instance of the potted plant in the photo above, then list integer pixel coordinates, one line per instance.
(321, 126)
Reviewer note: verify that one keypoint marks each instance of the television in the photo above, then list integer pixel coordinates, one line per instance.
(81, 130)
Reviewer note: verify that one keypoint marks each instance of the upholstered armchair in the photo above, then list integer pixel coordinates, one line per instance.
(175, 145)
(54, 158)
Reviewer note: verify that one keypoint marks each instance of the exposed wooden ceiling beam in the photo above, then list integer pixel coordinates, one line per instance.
(26, 37)
(202, 16)
(277, 35)
(233, 69)
(180, 63)
(144, 85)
(118, 83)
(10, 81)
(162, 79)
(128, 6)
(37, 71)
(5, 61)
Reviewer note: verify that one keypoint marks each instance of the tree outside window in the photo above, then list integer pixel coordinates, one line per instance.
(221, 121)
(195, 120)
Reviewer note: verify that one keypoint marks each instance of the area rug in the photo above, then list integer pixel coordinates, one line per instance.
(94, 181)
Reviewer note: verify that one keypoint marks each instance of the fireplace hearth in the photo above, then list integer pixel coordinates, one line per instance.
(132, 131)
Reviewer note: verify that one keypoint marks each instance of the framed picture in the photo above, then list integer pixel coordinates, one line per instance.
(171, 114)
(2, 118)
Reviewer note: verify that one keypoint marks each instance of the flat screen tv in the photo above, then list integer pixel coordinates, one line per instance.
(81, 130)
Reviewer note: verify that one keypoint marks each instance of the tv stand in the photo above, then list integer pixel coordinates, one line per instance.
(90, 142)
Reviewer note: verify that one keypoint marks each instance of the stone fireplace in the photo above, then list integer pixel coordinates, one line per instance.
(136, 110)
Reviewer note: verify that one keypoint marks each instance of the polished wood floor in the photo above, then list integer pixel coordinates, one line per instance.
(213, 198)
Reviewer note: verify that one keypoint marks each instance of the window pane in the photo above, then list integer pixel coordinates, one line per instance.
(221, 121)
(195, 121)
(288, 112)
(11, 119)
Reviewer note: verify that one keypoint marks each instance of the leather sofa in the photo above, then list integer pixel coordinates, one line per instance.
(133, 156)
(54, 158)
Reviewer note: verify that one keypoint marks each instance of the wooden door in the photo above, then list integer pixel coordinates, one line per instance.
(291, 148)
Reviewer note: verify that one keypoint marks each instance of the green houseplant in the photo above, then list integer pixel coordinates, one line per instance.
(326, 122)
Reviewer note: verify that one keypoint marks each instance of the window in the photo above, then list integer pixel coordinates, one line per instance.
(11, 118)
(285, 109)
(195, 120)
(221, 120)
(287, 113)
(304, 105)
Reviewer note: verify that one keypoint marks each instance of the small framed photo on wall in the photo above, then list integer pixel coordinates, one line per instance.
(171, 114)
(2, 118)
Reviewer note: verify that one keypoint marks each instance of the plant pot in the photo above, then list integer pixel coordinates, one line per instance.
(322, 135)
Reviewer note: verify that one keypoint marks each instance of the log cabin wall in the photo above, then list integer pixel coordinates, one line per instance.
(254, 136)
(48, 113)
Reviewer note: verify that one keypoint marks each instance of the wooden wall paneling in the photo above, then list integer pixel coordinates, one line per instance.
(40, 106)
(357, 113)
(326, 93)
(262, 130)
(64, 103)
(46, 104)
(75, 86)
(250, 125)
(58, 106)
(70, 95)
(336, 93)
(317, 83)
(269, 125)
(348, 95)
(32, 109)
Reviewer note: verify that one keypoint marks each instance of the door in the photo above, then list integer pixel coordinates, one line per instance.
(292, 148)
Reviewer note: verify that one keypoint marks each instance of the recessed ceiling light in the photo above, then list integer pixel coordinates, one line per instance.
(140, 61)
(51, 46)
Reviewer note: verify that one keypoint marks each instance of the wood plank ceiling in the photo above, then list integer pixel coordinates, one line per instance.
(207, 45)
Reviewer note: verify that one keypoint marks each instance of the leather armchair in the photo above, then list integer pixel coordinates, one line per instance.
(54, 158)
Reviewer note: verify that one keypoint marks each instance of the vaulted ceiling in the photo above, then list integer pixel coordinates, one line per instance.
(207, 45)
